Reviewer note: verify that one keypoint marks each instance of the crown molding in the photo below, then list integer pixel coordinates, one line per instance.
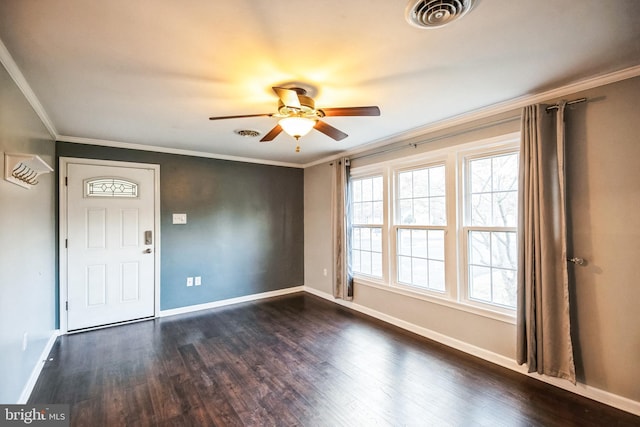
(155, 149)
(492, 110)
(12, 68)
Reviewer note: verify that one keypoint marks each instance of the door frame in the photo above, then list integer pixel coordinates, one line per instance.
(62, 201)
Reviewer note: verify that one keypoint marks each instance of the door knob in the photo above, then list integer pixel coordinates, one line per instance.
(147, 251)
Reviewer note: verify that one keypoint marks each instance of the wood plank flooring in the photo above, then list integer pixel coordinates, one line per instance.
(289, 361)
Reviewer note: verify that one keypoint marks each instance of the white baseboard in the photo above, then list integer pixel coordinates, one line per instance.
(584, 390)
(230, 301)
(35, 373)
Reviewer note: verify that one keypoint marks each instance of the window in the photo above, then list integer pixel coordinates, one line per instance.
(367, 219)
(491, 198)
(441, 226)
(421, 219)
(110, 187)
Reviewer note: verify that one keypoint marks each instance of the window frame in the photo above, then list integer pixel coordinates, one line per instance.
(366, 174)
(455, 254)
(464, 158)
(394, 171)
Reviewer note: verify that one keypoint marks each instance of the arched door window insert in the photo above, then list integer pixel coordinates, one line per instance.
(110, 187)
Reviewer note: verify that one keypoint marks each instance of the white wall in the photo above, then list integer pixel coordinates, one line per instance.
(27, 246)
(604, 202)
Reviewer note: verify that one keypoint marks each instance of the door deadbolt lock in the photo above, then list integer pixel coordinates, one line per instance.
(148, 237)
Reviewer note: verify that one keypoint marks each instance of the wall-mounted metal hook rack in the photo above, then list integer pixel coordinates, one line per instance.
(24, 169)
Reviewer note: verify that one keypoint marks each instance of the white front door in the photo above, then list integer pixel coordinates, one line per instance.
(110, 244)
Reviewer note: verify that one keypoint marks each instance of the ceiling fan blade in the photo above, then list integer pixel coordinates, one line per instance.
(272, 134)
(288, 97)
(352, 111)
(240, 116)
(330, 131)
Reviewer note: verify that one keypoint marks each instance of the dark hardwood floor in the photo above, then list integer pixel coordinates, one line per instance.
(293, 360)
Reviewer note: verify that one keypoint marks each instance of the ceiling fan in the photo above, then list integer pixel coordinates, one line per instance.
(298, 115)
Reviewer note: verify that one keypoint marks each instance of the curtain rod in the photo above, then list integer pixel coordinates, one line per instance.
(556, 106)
(454, 134)
(426, 141)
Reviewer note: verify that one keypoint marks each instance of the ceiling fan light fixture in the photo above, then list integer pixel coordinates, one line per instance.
(297, 126)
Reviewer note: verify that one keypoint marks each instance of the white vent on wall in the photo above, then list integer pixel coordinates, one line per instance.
(436, 13)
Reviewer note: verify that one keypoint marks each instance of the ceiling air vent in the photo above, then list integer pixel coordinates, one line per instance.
(436, 13)
(247, 133)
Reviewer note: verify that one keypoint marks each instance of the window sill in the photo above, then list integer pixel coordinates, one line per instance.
(495, 315)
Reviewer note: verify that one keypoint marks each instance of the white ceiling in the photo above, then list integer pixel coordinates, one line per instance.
(151, 72)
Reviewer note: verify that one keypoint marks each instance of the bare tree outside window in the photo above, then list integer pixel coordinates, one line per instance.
(492, 197)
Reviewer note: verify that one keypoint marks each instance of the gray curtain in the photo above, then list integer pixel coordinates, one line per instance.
(544, 331)
(341, 230)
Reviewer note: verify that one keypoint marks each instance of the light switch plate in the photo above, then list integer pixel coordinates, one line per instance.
(180, 218)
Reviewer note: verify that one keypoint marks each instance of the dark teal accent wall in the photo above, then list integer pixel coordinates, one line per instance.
(245, 227)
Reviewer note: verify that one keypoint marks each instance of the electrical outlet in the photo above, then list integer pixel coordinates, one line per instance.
(189, 281)
(198, 280)
(25, 341)
(324, 272)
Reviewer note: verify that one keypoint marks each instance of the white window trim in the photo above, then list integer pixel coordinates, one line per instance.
(455, 255)
(417, 163)
(464, 156)
(365, 173)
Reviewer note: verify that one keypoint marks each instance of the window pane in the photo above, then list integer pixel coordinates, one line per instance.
(367, 213)
(405, 185)
(504, 287)
(376, 264)
(421, 211)
(377, 213)
(421, 183)
(436, 275)
(367, 190)
(436, 181)
(355, 261)
(481, 209)
(419, 270)
(480, 248)
(377, 188)
(505, 172)
(480, 175)
(356, 190)
(505, 209)
(365, 262)
(421, 258)
(404, 269)
(376, 240)
(438, 211)
(480, 283)
(366, 250)
(419, 243)
(493, 266)
(504, 249)
(406, 212)
(436, 245)
(357, 213)
(404, 242)
(367, 204)
(421, 196)
(365, 239)
(355, 238)
(493, 186)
